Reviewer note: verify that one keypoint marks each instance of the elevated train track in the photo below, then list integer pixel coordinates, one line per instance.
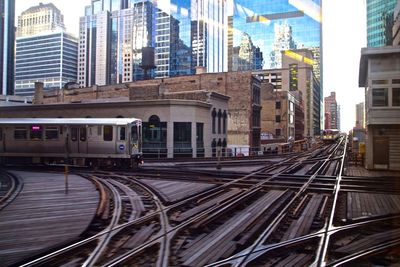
(296, 212)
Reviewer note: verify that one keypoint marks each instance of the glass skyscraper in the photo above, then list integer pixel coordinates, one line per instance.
(380, 22)
(185, 34)
(7, 35)
(259, 30)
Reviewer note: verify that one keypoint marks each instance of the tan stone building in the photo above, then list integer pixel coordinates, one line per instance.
(277, 115)
(380, 76)
(296, 77)
(38, 19)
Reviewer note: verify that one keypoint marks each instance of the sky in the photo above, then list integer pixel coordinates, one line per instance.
(344, 33)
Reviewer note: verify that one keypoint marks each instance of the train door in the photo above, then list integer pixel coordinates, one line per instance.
(73, 144)
(78, 140)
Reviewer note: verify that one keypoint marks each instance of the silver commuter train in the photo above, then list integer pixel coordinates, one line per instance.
(87, 141)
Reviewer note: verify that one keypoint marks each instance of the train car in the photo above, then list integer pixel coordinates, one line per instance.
(84, 141)
(330, 135)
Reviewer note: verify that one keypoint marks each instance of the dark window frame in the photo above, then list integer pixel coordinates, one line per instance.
(376, 102)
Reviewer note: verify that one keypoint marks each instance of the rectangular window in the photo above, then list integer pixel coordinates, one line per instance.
(375, 82)
(278, 118)
(1, 134)
(277, 132)
(82, 134)
(51, 133)
(396, 81)
(278, 105)
(36, 132)
(379, 97)
(122, 133)
(74, 134)
(108, 133)
(293, 72)
(396, 97)
(183, 132)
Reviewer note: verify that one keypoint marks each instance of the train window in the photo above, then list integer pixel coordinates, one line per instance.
(134, 134)
(99, 130)
(36, 132)
(122, 133)
(74, 134)
(1, 134)
(82, 134)
(51, 133)
(20, 133)
(108, 133)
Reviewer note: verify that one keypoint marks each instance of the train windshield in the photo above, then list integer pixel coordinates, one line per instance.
(136, 136)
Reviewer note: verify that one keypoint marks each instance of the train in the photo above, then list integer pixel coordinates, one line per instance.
(78, 141)
(330, 135)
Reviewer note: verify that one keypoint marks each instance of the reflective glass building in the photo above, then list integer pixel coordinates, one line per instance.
(7, 37)
(259, 30)
(380, 22)
(184, 34)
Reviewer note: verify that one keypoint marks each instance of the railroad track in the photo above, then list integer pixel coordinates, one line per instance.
(296, 212)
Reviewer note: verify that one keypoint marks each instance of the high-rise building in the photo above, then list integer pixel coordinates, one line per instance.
(275, 26)
(247, 56)
(39, 19)
(185, 34)
(360, 116)
(396, 24)
(379, 22)
(7, 33)
(331, 112)
(44, 51)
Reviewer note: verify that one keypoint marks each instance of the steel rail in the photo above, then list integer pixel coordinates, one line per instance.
(323, 248)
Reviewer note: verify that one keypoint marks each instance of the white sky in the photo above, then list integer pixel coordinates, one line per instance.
(344, 33)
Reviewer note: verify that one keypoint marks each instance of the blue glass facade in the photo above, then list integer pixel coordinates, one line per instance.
(49, 58)
(7, 33)
(184, 34)
(380, 22)
(259, 30)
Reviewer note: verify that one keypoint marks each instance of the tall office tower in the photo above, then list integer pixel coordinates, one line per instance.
(247, 56)
(360, 116)
(185, 34)
(39, 19)
(380, 22)
(331, 112)
(7, 33)
(275, 26)
(44, 51)
(396, 24)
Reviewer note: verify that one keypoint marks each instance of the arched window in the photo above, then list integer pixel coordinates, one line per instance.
(213, 147)
(219, 121)
(154, 121)
(213, 114)
(219, 142)
(224, 117)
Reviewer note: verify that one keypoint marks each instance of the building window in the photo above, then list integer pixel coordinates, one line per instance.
(213, 115)
(379, 97)
(374, 82)
(224, 116)
(278, 118)
(293, 72)
(219, 121)
(277, 132)
(396, 97)
(278, 105)
(396, 81)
